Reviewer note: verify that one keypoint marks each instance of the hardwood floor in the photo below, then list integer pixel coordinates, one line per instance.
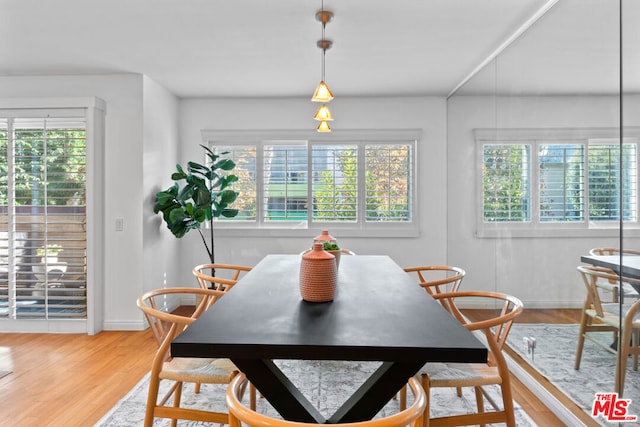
(69, 380)
(73, 380)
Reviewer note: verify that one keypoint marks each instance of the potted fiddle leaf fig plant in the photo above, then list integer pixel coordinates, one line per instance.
(199, 195)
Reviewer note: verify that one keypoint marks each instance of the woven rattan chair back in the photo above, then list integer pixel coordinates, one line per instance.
(221, 277)
(436, 279)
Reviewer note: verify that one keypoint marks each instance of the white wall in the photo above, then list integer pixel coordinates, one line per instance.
(160, 154)
(426, 113)
(541, 271)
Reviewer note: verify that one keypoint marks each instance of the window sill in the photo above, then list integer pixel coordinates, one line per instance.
(387, 232)
(515, 233)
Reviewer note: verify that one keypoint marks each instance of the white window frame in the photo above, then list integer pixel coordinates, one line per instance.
(535, 228)
(95, 111)
(213, 138)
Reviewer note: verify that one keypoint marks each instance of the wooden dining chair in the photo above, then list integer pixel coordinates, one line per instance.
(437, 279)
(604, 317)
(613, 251)
(166, 327)
(241, 415)
(494, 331)
(226, 275)
(613, 286)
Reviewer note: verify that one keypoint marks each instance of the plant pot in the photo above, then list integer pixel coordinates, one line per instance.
(336, 254)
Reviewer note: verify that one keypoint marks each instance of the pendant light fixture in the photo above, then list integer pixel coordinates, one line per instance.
(324, 127)
(323, 93)
(323, 113)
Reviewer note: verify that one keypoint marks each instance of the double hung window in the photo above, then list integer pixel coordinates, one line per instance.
(289, 181)
(555, 179)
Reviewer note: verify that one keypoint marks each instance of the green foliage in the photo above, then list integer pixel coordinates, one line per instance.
(198, 195)
(337, 201)
(386, 186)
(387, 182)
(49, 167)
(49, 250)
(505, 185)
(330, 246)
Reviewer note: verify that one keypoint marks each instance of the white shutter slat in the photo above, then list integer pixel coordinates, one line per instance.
(46, 212)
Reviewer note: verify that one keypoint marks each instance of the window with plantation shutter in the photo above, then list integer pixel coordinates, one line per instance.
(543, 181)
(562, 192)
(361, 183)
(388, 169)
(613, 180)
(505, 180)
(335, 183)
(285, 174)
(43, 215)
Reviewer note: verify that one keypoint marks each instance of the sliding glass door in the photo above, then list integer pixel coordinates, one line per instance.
(43, 215)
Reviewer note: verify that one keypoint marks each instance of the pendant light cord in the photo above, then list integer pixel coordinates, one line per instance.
(324, 47)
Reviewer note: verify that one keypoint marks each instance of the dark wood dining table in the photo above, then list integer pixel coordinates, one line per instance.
(627, 266)
(379, 313)
(630, 263)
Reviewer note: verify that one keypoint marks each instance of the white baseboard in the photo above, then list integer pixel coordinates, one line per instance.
(171, 303)
(553, 304)
(59, 326)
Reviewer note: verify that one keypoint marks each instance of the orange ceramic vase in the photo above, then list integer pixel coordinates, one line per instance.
(318, 275)
(324, 236)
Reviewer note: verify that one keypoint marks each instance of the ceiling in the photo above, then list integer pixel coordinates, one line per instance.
(259, 48)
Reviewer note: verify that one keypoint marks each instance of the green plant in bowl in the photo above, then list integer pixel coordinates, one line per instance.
(330, 246)
(334, 249)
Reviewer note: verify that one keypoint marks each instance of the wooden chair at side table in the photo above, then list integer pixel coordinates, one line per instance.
(604, 317)
(166, 327)
(437, 279)
(495, 372)
(227, 275)
(613, 251)
(612, 285)
(240, 415)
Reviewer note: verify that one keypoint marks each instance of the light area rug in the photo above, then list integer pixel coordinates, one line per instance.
(554, 357)
(327, 384)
